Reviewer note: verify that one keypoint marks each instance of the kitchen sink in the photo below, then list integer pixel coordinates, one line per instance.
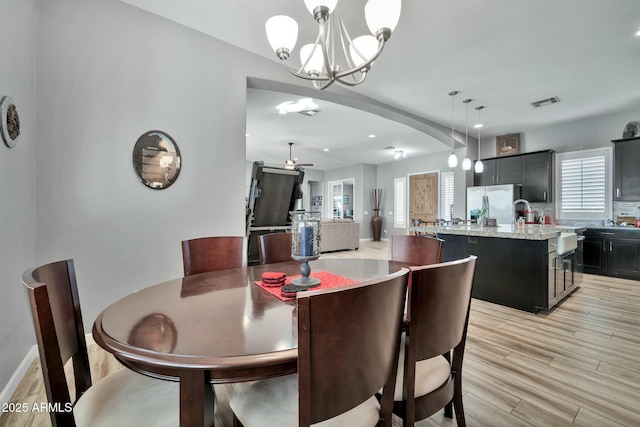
(567, 242)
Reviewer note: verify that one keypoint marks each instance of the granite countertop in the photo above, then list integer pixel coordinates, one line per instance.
(529, 232)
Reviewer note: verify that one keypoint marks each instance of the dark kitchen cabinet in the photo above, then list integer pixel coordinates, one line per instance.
(595, 254)
(626, 170)
(612, 252)
(624, 258)
(537, 177)
(488, 175)
(506, 170)
(510, 272)
(509, 170)
(534, 171)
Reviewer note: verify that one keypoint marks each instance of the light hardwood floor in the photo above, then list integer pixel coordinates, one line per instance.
(577, 365)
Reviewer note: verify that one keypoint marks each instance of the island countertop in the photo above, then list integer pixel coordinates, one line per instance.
(528, 232)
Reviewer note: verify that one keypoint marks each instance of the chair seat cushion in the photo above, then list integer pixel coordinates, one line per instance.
(430, 374)
(131, 399)
(274, 403)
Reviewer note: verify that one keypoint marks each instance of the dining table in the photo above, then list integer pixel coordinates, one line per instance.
(217, 327)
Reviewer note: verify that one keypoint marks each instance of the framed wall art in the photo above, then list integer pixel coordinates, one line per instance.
(508, 145)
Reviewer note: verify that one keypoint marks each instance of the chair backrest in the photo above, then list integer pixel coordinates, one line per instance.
(416, 250)
(439, 308)
(348, 342)
(55, 307)
(274, 247)
(213, 253)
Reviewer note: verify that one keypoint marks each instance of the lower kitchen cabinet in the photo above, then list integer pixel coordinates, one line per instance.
(612, 252)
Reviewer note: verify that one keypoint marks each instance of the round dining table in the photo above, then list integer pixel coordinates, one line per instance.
(215, 327)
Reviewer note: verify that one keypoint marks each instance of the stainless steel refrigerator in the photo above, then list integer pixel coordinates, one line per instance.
(500, 200)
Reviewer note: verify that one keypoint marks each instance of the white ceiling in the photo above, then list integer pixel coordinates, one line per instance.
(503, 54)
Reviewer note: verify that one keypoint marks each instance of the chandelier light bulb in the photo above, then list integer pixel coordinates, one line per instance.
(282, 32)
(312, 5)
(479, 168)
(362, 49)
(466, 164)
(315, 64)
(381, 14)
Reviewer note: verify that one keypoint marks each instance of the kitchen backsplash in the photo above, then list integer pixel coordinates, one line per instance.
(619, 209)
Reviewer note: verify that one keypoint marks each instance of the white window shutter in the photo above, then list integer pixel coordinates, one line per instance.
(400, 202)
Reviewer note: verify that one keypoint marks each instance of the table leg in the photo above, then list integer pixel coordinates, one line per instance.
(196, 398)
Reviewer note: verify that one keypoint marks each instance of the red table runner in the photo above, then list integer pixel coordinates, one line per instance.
(327, 280)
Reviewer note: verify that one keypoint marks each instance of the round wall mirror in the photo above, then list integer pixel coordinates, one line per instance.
(156, 159)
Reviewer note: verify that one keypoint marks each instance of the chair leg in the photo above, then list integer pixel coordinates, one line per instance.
(236, 421)
(457, 403)
(448, 410)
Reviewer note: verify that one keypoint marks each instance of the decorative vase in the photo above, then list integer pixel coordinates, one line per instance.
(376, 225)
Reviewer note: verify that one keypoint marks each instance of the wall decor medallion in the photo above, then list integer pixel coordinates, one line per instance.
(156, 159)
(631, 130)
(10, 122)
(508, 145)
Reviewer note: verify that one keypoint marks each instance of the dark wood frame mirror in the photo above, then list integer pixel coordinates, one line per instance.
(156, 159)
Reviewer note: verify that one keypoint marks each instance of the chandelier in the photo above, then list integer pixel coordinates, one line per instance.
(318, 59)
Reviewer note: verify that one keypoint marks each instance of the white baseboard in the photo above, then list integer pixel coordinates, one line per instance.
(14, 381)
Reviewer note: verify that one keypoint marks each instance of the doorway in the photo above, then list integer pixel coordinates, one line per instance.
(423, 197)
(340, 198)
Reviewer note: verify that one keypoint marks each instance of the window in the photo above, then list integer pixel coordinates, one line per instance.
(400, 202)
(584, 184)
(446, 195)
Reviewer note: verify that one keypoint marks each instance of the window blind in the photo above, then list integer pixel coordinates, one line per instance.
(584, 184)
(446, 190)
(400, 202)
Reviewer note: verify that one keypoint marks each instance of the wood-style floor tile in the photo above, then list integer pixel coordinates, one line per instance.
(578, 364)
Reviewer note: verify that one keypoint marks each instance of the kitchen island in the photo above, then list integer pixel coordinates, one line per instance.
(516, 267)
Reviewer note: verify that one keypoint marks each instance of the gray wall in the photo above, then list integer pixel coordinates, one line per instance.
(99, 86)
(17, 206)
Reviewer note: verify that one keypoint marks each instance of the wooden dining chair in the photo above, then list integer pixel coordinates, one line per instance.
(213, 253)
(274, 247)
(428, 377)
(348, 343)
(121, 398)
(416, 250)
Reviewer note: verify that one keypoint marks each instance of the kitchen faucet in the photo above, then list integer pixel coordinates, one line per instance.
(513, 213)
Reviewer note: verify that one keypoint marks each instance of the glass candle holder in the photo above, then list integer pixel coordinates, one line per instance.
(305, 244)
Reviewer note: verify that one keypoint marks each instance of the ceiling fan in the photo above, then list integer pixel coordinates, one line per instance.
(290, 163)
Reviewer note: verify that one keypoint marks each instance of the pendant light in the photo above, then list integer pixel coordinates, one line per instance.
(453, 160)
(466, 163)
(479, 167)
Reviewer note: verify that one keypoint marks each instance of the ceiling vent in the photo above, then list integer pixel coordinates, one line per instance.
(390, 147)
(309, 112)
(545, 102)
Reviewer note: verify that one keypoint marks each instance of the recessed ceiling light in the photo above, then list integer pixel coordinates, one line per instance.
(478, 125)
(283, 112)
(372, 136)
(325, 149)
(247, 135)
(638, 33)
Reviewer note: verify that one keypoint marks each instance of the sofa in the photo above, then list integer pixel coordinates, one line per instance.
(338, 234)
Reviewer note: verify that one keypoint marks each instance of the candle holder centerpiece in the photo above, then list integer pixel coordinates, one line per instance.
(305, 244)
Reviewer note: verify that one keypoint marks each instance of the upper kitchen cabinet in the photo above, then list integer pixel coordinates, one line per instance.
(537, 176)
(488, 174)
(626, 155)
(534, 171)
(501, 170)
(509, 170)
